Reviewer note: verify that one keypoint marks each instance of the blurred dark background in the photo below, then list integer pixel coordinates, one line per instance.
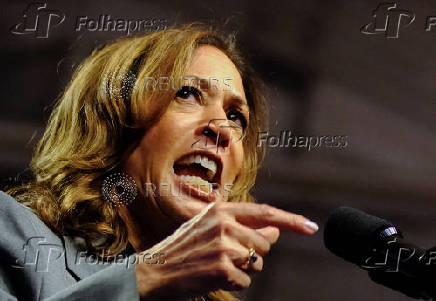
(324, 77)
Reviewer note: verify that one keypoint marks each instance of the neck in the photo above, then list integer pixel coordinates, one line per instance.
(139, 232)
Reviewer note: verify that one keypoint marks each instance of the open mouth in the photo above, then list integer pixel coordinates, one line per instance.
(199, 171)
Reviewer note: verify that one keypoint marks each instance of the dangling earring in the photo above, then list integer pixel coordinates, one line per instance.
(119, 189)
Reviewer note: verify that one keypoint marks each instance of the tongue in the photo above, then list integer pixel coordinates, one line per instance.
(191, 170)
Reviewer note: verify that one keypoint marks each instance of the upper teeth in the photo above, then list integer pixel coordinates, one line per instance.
(210, 165)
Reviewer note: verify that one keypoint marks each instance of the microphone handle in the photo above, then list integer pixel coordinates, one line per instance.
(403, 267)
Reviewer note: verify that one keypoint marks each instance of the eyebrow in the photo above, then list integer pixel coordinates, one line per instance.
(239, 101)
(206, 82)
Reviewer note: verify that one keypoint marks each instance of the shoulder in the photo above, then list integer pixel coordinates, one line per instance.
(9, 204)
(24, 233)
(29, 249)
(36, 263)
(28, 242)
(20, 220)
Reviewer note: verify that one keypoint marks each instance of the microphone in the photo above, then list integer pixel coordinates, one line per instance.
(377, 246)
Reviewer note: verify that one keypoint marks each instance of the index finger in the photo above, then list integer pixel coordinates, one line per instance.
(263, 215)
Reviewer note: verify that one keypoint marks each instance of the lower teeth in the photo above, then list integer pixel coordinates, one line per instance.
(198, 183)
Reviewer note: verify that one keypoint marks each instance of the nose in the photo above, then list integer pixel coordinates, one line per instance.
(216, 133)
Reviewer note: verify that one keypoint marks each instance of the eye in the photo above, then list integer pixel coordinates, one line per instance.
(186, 92)
(238, 118)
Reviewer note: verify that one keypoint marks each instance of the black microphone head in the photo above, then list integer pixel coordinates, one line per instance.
(351, 234)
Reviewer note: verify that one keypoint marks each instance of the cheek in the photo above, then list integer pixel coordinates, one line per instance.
(163, 136)
(159, 137)
(237, 158)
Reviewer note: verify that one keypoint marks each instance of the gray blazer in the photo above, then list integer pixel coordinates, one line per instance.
(36, 264)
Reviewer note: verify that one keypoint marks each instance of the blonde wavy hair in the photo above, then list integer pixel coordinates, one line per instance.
(102, 111)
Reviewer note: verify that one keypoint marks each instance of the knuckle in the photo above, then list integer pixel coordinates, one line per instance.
(219, 258)
(226, 225)
(219, 246)
(220, 216)
(217, 208)
(222, 226)
(297, 218)
(277, 232)
(223, 251)
(247, 285)
(222, 270)
(266, 209)
(266, 247)
(244, 284)
(216, 232)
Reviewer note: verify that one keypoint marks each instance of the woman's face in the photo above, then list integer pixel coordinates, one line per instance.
(194, 153)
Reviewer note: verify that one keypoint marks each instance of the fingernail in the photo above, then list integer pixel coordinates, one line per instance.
(311, 226)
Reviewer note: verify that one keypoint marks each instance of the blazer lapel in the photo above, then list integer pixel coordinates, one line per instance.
(79, 263)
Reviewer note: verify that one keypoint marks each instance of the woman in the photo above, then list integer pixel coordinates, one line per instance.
(148, 155)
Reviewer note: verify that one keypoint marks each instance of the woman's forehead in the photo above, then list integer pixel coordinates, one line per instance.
(211, 63)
